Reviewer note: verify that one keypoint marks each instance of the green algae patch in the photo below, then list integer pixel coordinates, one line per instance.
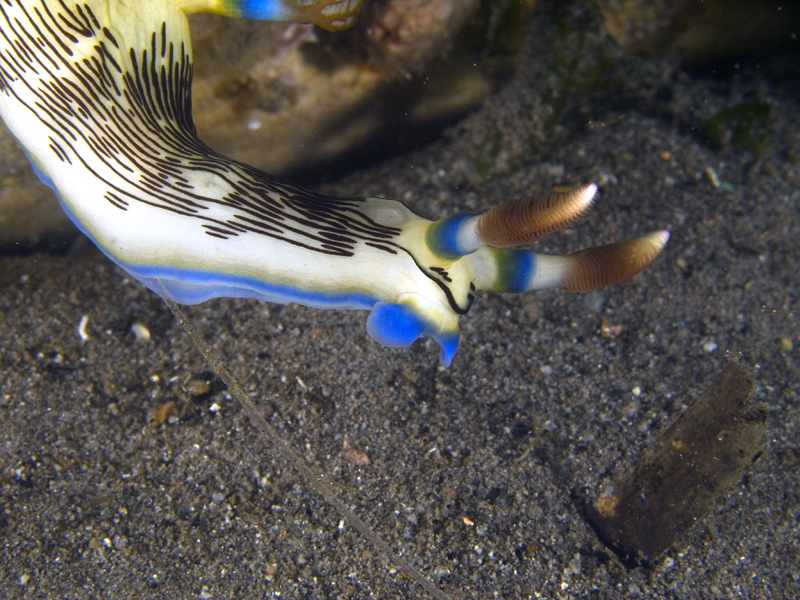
(744, 125)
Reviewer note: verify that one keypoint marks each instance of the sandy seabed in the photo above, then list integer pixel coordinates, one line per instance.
(127, 472)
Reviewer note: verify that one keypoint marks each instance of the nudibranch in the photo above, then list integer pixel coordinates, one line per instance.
(98, 94)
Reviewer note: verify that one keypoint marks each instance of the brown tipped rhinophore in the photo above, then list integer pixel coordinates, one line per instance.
(522, 221)
(603, 265)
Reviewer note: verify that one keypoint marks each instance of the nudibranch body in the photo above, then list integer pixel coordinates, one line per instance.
(98, 94)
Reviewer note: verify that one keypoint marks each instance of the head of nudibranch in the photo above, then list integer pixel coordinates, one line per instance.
(465, 253)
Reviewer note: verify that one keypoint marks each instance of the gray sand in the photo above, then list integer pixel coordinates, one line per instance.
(126, 473)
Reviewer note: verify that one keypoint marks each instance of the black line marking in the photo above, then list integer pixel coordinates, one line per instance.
(442, 273)
(131, 108)
(110, 36)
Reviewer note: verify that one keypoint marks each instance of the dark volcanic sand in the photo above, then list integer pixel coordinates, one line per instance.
(123, 474)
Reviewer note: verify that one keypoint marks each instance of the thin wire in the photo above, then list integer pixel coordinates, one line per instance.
(290, 455)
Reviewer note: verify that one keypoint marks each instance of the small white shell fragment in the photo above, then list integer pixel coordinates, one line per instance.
(141, 332)
(712, 176)
(82, 333)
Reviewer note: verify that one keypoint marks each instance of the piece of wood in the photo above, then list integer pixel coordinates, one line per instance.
(676, 480)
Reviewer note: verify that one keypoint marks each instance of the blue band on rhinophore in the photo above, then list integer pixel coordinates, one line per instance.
(515, 269)
(261, 9)
(442, 237)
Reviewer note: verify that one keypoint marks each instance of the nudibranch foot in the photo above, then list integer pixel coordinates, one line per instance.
(191, 286)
